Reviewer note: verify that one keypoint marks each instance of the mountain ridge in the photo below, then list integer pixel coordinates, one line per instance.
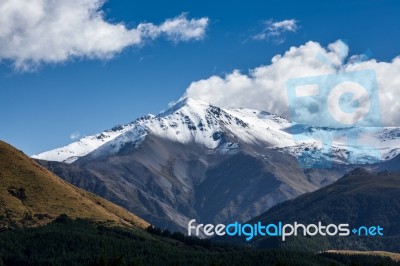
(191, 120)
(361, 197)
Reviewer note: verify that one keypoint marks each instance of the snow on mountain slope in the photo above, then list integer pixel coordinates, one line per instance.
(193, 121)
(73, 151)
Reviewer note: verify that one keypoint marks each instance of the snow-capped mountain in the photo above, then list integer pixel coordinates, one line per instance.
(193, 121)
(198, 161)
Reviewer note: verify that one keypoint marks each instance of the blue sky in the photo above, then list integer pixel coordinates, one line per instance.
(40, 107)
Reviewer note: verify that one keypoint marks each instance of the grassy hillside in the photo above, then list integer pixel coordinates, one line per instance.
(393, 256)
(30, 195)
(360, 198)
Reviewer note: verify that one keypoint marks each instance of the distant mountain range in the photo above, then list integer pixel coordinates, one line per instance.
(199, 161)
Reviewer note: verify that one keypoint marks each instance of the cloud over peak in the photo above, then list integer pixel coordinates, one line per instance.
(46, 31)
(264, 87)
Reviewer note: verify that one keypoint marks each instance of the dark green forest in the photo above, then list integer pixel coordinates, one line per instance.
(80, 242)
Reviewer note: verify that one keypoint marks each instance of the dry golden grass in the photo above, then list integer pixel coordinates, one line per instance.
(393, 256)
(30, 195)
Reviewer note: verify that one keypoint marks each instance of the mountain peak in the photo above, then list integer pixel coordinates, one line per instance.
(192, 101)
(187, 102)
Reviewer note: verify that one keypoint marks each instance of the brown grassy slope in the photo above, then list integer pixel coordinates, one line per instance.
(393, 256)
(30, 195)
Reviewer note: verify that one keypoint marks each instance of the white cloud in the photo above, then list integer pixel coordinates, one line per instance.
(47, 31)
(74, 135)
(276, 30)
(176, 29)
(264, 87)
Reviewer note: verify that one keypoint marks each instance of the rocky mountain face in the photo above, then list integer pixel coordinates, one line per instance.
(198, 161)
